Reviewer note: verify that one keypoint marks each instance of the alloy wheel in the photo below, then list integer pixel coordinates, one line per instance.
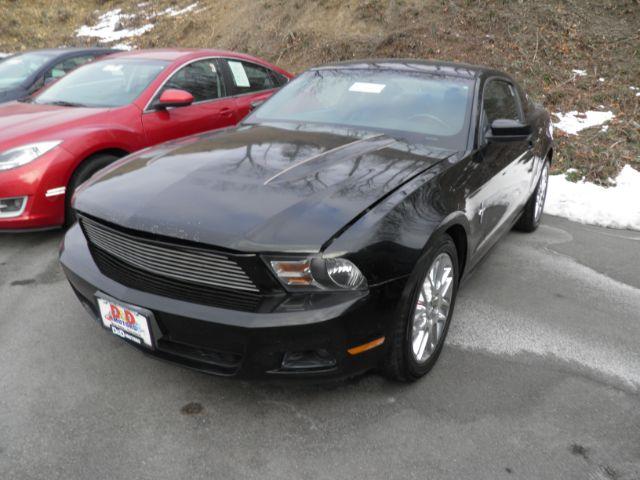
(432, 308)
(542, 192)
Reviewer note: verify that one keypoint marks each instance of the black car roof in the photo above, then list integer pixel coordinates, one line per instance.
(417, 65)
(65, 51)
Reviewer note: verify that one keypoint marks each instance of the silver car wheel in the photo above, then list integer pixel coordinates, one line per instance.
(432, 308)
(542, 192)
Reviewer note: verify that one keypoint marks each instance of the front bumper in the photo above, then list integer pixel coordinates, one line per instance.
(246, 344)
(43, 182)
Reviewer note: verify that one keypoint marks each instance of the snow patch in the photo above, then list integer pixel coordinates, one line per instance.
(122, 46)
(2, 54)
(572, 122)
(181, 11)
(584, 202)
(579, 73)
(109, 27)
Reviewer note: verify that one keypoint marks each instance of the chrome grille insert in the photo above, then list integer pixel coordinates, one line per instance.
(187, 264)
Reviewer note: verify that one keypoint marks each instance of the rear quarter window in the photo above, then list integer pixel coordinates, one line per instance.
(248, 77)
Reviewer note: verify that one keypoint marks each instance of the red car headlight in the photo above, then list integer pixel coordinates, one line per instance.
(18, 156)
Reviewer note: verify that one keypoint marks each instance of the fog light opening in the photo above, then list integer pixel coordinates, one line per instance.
(319, 359)
(12, 207)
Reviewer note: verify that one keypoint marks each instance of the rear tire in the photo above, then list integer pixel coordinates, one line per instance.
(532, 214)
(86, 169)
(421, 325)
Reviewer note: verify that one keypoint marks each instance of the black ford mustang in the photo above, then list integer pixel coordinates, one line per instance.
(325, 235)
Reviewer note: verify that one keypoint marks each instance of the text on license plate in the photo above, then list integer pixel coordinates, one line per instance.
(125, 322)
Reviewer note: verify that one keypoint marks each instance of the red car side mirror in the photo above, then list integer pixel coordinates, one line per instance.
(174, 98)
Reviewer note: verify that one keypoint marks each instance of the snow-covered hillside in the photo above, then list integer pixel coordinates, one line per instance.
(109, 27)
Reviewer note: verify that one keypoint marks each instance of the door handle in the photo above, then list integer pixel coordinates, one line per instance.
(226, 111)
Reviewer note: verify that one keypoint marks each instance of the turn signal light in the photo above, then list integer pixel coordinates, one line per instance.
(366, 346)
(293, 272)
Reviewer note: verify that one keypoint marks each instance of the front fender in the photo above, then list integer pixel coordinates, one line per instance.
(388, 240)
(84, 142)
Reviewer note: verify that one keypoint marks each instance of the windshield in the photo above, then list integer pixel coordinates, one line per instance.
(107, 83)
(16, 69)
(432, 107)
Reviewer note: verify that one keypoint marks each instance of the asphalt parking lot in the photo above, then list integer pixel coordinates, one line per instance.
(540, 379)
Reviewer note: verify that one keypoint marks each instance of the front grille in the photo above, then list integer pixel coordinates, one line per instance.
(167, 287)
(194, 265)
(173, 270)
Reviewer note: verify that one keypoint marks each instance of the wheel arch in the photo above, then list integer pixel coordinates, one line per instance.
(459, 236)
(118, 152)
(456, 226)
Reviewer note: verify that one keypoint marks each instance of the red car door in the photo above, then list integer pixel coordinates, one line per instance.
(251, 83)
(212, 107)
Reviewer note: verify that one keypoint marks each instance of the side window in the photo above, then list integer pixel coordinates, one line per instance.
(499, 101)
(248, 77)
(59, 70)
(279, 79)
(200, 79)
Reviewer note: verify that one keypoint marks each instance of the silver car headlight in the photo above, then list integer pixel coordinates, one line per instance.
(317, 273)
(18, 156)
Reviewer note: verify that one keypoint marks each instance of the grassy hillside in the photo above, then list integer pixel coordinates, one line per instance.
(540, 42)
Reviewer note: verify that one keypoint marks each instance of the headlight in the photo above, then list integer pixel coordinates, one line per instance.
(318, 274)
(16, 157)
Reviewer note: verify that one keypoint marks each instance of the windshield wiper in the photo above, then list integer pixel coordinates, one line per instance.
(63, 103)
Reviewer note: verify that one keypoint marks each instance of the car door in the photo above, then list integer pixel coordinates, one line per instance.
(503, 164)
(251, 83)
(212, 108)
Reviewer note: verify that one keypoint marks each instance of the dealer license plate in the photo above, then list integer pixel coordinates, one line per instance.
(125, 322)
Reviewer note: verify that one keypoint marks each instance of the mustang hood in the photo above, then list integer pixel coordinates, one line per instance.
(256, 188)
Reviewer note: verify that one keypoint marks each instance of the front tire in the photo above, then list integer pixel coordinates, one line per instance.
(421, 326)
(86, 169)
(532, 214)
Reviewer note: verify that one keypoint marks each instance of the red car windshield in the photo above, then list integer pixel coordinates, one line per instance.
(107, 83)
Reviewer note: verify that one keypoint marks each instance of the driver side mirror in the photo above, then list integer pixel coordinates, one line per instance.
(508, 130)
(174, 98)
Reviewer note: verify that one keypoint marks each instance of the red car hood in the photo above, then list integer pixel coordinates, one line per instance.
(22, 123)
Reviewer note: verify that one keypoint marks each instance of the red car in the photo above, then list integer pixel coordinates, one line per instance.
(107, 109)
